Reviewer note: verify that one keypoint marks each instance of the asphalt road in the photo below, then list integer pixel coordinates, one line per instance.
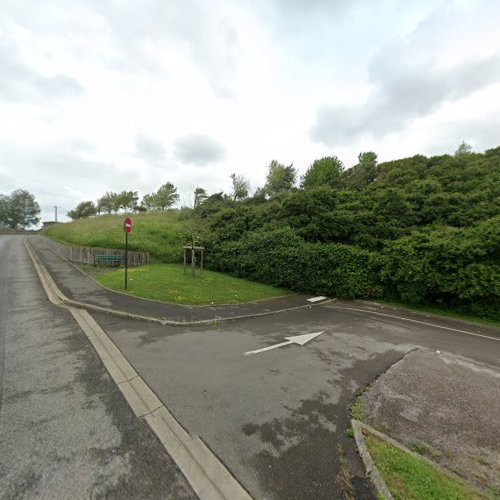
(65, 429)
(278, 419)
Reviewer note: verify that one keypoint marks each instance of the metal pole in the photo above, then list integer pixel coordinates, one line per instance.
(193, 260)
(126, 258)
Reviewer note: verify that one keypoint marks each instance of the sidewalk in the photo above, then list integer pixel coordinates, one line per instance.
(79, 287)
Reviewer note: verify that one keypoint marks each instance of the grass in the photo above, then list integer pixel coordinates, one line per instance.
(159, 233)
(168, 283)
(441, 311)
(408, 477)
(358, 409)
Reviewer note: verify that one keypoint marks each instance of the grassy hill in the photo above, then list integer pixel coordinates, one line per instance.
(159, 233)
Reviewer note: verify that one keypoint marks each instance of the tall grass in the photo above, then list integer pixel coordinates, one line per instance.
(159, 233)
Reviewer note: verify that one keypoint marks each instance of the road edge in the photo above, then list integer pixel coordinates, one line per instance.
(372, 472)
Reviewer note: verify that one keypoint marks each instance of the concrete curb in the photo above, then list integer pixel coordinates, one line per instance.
(370, 467)
(92, 307)
(209, 478)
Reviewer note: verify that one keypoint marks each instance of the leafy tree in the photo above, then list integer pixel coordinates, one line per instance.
(3, 210)
(212, 205)
(164, 198)
(19, 210)
(280, 178)
(325, 172)
(127, 199)
(463, 148)
(83, 209)
(241, 187)
(106, 203)
(148, 201)
(200, 195)
(363, 173)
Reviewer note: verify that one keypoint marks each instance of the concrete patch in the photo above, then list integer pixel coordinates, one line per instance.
(445, 407)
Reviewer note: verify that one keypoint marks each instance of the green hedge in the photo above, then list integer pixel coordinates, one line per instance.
(283, 259)
(456, 267)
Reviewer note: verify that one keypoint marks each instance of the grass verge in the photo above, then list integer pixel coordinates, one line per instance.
(168, 283)
(408, 477)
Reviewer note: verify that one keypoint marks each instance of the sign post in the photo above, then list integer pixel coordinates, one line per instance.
(127, 225)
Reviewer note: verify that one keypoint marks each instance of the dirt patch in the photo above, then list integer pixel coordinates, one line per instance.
(444, 407)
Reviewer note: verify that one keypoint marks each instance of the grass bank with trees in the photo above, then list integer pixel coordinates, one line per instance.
(419, 230)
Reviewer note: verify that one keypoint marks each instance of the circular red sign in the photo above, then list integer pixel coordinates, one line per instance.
(128, 224)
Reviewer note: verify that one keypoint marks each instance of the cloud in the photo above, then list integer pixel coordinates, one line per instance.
(149, 150)
(204, 32)
(401, 95)
(21, 83)
(198, 149)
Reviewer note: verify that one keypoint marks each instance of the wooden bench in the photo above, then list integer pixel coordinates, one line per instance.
(108, 260)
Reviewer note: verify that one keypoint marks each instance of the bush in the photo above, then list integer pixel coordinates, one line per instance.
(281, 258)
(457, 267)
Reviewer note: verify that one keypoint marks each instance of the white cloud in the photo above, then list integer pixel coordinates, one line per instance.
(104, 96)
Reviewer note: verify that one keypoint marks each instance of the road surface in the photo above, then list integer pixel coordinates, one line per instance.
(65, 430)
(277, 418)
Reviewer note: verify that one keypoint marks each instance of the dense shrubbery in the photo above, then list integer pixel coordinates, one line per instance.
(281, 258)
(421, 230)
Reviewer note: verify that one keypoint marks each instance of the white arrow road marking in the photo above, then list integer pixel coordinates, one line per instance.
(297, 339)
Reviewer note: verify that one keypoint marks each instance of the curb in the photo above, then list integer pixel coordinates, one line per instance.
(371, 469)
(92, 307)
(206, 474)
(373, 473)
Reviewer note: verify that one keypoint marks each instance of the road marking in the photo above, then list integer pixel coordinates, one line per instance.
(316, 299)
(297, 339)
(416, 321)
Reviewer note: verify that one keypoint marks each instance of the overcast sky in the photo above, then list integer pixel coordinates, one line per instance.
(107, 95)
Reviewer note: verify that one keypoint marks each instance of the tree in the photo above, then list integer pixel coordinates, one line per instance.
(362, 174)
(105, 203)
(148, 202)
(3, 210)
(164, 198)
(83, 209)
(463, 149)
(200, 195)
(241, 187)
(323, 172)
(19, 210)
(280, 178)
(127, 199)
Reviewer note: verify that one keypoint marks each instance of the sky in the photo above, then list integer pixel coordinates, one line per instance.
(115, 95)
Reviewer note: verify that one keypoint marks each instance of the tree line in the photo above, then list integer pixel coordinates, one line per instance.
(111, 202)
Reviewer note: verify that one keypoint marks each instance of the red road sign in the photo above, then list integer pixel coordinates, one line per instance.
(128, 224)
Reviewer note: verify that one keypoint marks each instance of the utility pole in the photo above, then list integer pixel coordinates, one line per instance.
(55, 212)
